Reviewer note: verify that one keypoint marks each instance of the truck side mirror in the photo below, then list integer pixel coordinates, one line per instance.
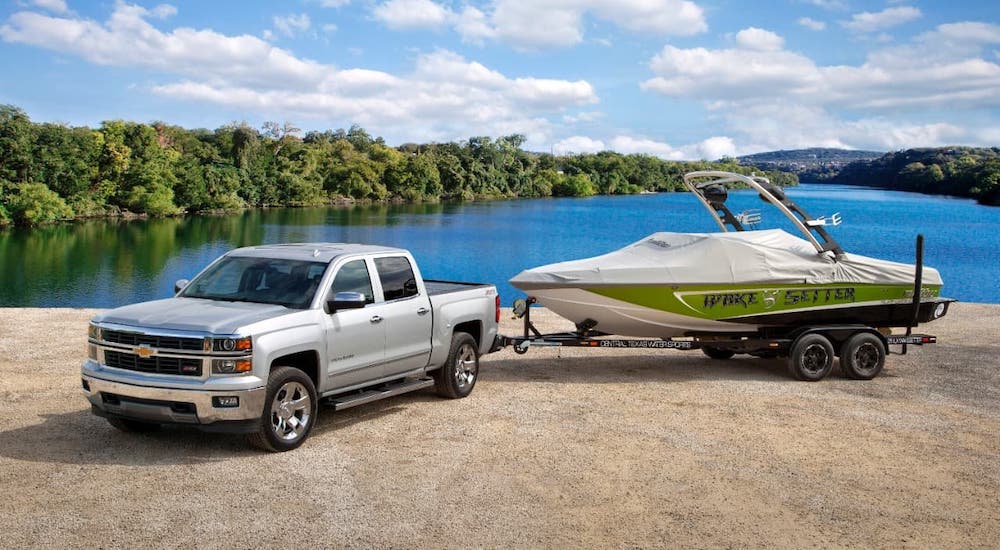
(180, 285)
(345, 300)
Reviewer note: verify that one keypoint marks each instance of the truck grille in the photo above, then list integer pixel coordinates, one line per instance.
(156, 364)
(153, 340)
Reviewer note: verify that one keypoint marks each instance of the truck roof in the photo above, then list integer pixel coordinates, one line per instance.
(315, 252)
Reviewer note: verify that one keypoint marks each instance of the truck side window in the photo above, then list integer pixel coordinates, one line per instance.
(398, 280)
(353, 277)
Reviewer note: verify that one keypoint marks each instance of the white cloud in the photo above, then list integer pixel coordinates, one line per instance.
(329, 28)
(710, 149)
(443, 97)
(332, 3)
(866, 22)
(412, 14)
(930, 71)
(780, 98)
(798, 126)
(753, 38)
(811, 24)
(586, 116)
(578, 144)
(730, 73)
(163, 11)
(717, 147)
(290, 25)
(57, 6)
(472, 25)
(128, 40)
(534, 24)
(632, 145)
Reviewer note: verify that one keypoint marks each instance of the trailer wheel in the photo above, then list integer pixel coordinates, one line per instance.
(717, 353)
(862, 356)
(811, 358)
(459, 374)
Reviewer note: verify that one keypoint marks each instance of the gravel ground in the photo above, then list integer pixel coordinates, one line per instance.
(563, 448)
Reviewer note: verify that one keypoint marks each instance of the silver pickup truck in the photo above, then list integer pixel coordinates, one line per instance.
(256, 340)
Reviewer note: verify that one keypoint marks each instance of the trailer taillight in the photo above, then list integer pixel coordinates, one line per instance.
(498, 307)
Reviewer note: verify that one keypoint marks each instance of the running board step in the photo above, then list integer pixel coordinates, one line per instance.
(339, 402)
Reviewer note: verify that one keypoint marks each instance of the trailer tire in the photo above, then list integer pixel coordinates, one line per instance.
(811, 358)
(291, 402)
(862, 356)
(458, 376)
(717, 353)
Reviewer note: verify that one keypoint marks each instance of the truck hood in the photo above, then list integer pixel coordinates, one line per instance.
(194, 314)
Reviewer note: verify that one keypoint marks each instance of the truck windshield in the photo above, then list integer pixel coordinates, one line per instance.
(290, 283)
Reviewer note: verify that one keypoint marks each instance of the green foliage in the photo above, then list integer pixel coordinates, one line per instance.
(35, 204)
(577, 185)
(16, 137)
(157, 169)
(963, 171)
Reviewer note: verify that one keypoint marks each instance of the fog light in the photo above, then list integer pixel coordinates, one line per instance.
(226, 401)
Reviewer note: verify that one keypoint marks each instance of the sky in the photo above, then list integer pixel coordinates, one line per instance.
(679, 79)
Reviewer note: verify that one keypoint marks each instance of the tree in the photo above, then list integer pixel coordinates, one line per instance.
(34, 204)
(16, 135)
(577, 185)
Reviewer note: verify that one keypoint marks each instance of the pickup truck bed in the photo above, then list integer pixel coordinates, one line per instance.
(435, 287)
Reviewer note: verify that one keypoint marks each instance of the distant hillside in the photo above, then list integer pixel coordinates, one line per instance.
(962, 171)
(813, 164)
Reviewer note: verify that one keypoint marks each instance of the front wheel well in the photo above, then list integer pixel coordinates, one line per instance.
(305, 361)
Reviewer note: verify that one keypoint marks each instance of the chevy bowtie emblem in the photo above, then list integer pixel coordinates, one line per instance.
(144, 351)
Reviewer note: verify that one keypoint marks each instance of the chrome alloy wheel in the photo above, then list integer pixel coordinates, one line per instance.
(466, 366)
(291, 411)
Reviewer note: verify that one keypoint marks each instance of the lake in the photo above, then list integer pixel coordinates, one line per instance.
(103, 264)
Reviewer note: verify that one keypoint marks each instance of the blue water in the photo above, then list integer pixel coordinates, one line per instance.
(106, 264)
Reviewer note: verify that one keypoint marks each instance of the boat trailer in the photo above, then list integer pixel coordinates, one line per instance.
(810, 349)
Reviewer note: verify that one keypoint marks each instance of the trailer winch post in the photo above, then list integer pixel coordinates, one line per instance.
(917, 284)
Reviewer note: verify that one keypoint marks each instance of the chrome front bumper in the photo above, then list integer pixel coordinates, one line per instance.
(166, 405)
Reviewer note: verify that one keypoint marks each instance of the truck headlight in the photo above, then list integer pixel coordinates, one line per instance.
(231, 366)
(94, 332)
(232, 344)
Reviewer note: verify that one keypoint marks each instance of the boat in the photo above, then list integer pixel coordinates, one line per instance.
(739, 281)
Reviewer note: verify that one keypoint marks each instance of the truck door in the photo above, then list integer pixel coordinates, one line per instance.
(355, 338)
(407, 315)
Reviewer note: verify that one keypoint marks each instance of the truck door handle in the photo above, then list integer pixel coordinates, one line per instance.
(376, 319)
(422, 311)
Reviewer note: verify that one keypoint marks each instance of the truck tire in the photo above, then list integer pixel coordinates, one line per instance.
(289, 411)
(717, 353)
(862, 356)
(128, 425)
(811, 358)
(458, 376)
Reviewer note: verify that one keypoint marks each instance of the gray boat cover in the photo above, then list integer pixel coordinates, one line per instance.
(768, 256)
